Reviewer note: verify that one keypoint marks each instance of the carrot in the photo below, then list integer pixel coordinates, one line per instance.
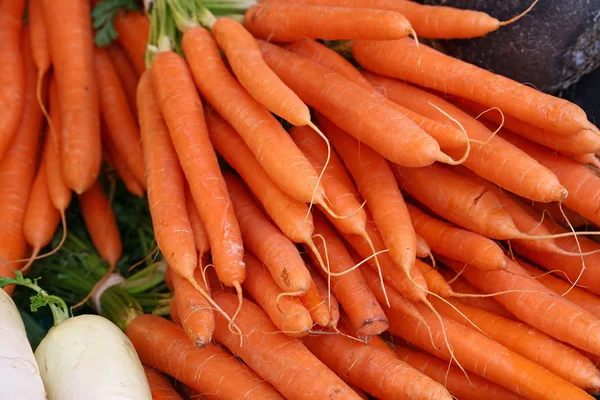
(193, 310)
(435, 282)
(39, 45)
(547, 312)
(456, 243)
(199, 163)
(60, 193)
(127, 73)
(71, 49)
(117, 162)
(12, 84)
(271, 145)
(315, 304)
(254, 74)
(484, 356)
(279, 22)
(101, 224)
(435, 22)
(400, 59)
(198, 229)
(289, 214)
(160, 386)
(576, 295)
(457, 199)
(422, 250)
(453, 378)
(373, 369)
(528, 342)
(581, 142)
(287, 313)
(367, 117)
(17, 171)
(261, 237)
(535, 182)
(163, 345)
(328, 300)
(365, 315)
(553, 211)
(581, 182)
(133, 29)
(378, 187)
(41, 218)
(116, 114)
(268, 352)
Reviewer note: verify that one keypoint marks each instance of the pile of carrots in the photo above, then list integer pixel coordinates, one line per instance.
(382, 220)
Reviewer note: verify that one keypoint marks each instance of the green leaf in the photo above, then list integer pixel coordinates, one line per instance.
(103, 16)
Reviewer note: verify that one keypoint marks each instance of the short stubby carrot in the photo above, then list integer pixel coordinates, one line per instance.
(288, 22)
(268, 352)
(435, 281)
(71, 47)
(254, 74)
(182, 110)
(133, 29)
(429, 68)
(266, 138)
(163, 345)
(12, 71)
(367, 117)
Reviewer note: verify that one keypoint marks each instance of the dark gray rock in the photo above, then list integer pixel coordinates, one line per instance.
(586, 94)
(550, 48)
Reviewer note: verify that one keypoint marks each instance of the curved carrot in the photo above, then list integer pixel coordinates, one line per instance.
(268, 352)
(128, 75)
(435, 281)
(116, 114)
(400, 59)
(329, 303)
(12, 72)
(133, 29)
(71, 47)
(287, 313)
(363, 115)
(254, 74)
(270, 144)
(39, 43)
(456, 243)
(160, 386)
(193, 310)
(182, 109)
(316, 306)
(101, 224)
(163, 345)
(284, 22)
(261, 237)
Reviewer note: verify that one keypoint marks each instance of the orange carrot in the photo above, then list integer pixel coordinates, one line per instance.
(553, 211)
(317, 306)
(365, 315)
(133, 29)
(262, 238)
(71, 48)
(456, 243)
(435, 282)
(266, 138)
(268, 352)
(12, 83)
(367, 117)
(422, 249)
(160, 386)
(193, 310)
(484, 356)
(289, 214)
(328, 300)
(547, 312)
(101, 224)
(279, 22)
(254, 74)
(535, 182)
(528, 342)
(39, 42)
(401, 59)
(116, 114)
(163, 345)
(453, 378)
(435, 22)
(287, 313)
(116, 161)
(199, 163)
(374, 369)
(198, 229)
(17, 171)
(127, 73)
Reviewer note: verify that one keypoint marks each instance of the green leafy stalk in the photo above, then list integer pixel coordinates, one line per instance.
(103, 16)
(146, 279)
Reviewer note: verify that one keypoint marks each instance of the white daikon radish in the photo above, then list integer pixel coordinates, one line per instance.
(19, 373)
(89, 358)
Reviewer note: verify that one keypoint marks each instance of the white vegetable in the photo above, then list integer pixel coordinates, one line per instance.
(89, 358)
(19, 373)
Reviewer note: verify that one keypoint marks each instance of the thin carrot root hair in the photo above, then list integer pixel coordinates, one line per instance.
(413, 33)
(573, 284)
(325, 267)
(367, 239)
(314, 194)
(448, 160)
(336, 216)
(108, 273)
(483, 143)
(521, 15)
(152, 253)
(287, 294)
(432, 258)
(238, 289)
(35, 254)
(458, 274)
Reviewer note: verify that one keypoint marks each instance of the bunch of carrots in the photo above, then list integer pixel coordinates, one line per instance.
(348, 211)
